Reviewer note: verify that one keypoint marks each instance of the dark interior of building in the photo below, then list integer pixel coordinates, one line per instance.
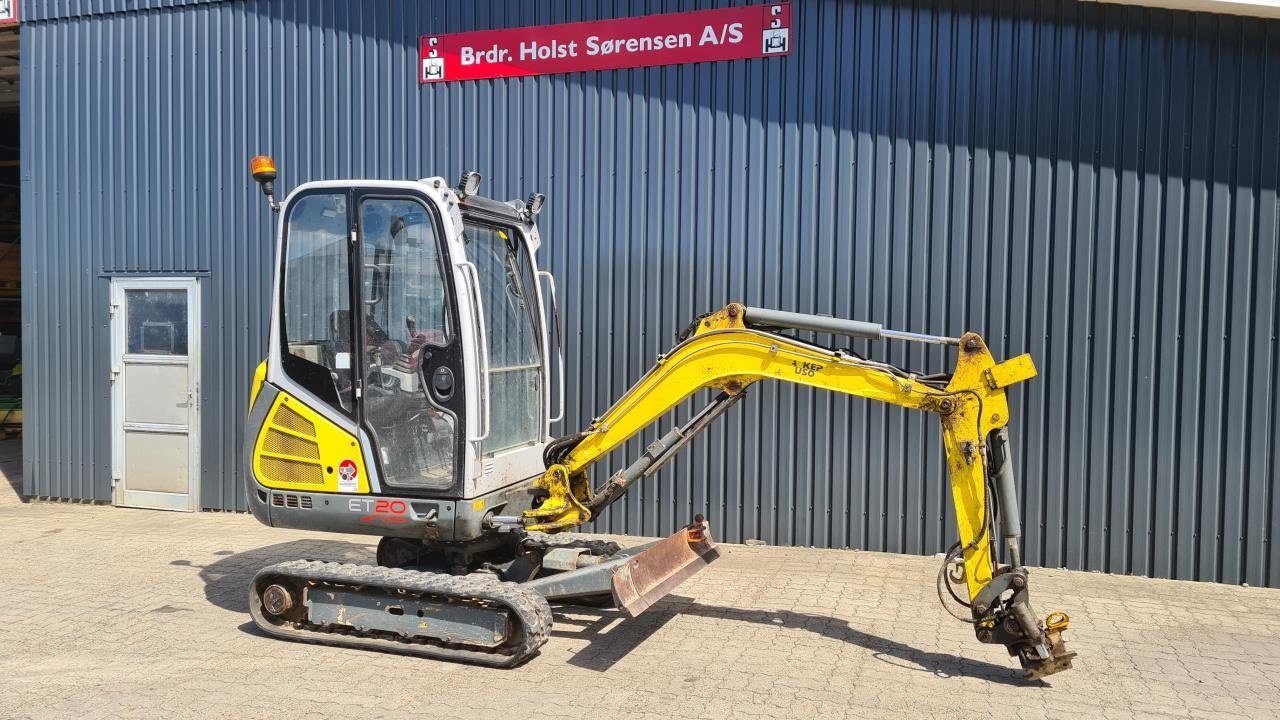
(10, 257)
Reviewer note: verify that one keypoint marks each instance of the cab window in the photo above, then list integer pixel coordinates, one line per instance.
(509, 304)
(316, 314)
(406, 327)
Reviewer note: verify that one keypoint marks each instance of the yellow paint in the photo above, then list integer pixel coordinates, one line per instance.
(259, 377)
(727, 317)
(978, 409)
(724, 354)
(478, 505)
(1010, 372)
(314, 448)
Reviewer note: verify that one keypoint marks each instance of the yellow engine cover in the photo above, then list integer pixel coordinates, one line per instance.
(300, 449)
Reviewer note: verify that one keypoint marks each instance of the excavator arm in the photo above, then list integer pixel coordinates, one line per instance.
(737, 346)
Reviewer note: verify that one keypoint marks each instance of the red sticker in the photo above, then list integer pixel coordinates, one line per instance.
(347, 474)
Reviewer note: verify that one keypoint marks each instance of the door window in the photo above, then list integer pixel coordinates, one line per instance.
(406, 329)
(510, 314)
(317, 299)
(157, 322)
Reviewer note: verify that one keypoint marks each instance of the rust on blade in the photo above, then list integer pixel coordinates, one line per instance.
(648, 577)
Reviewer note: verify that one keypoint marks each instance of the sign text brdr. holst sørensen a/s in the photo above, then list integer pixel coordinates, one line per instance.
(669, 39)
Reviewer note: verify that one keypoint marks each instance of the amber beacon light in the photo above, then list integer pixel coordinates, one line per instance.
(263, 169)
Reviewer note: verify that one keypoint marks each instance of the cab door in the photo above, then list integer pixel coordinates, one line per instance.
(513, 357)
(412, 390)
(366, 339)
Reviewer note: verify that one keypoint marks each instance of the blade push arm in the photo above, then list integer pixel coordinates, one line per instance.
(738, 346)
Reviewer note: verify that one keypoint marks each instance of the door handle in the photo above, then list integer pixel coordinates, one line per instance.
(555, 317)
(483, 351)
(442, 383)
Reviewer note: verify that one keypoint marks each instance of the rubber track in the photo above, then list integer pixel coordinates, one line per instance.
(530, 609)
(591, 543)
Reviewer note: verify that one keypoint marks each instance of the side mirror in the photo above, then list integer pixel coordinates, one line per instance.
(263, 169)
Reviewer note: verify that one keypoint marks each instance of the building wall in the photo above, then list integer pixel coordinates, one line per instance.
(1090, 183)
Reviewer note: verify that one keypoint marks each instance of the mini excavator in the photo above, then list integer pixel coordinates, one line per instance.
(408, 394)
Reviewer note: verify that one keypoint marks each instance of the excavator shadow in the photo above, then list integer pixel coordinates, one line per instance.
(226, 580)
(612, 636)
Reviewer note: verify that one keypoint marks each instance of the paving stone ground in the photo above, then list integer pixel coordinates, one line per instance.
(108, 612)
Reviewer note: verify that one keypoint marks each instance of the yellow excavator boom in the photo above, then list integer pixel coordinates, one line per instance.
(737, 346)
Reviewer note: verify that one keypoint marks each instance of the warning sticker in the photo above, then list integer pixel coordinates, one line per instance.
(348, 476)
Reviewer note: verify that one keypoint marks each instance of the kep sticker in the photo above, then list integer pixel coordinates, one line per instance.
(348, 476)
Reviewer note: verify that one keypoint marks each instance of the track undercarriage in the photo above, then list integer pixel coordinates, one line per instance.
(489, 606)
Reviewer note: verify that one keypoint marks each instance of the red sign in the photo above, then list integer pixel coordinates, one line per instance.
(8, 12)
(689, 37)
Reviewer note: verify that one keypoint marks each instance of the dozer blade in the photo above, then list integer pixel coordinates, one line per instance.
(649, 576)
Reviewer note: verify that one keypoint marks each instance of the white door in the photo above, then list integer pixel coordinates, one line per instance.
(155, 392)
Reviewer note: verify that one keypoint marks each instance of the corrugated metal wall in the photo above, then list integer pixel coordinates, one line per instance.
(1094, 184)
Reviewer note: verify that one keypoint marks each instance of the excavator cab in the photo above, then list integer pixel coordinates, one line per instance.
(405, 313)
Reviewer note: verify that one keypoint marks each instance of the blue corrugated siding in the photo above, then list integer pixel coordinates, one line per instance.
(1096, 185)
(39, 10)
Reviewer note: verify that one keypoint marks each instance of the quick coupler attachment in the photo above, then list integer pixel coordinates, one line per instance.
(1003, 615)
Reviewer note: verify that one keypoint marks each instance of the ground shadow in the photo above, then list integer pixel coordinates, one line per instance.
(249, 627)
(13, 481)
(611, 640)
(11, 466)
(226, 580)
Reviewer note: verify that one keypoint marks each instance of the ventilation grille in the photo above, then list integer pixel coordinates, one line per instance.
(293, 501)
(288, 418)
(277, 443)
(292, 472)
(290, 454)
